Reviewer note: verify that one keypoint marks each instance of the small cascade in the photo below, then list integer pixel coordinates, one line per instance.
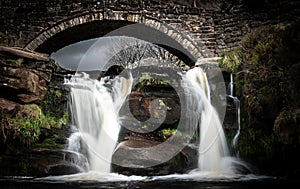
(74, 140)
(74, 148)
(231, 85)
(237, 107)
(94, 108)
(235, 138)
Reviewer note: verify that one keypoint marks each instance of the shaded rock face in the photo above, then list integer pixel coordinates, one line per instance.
(294, 84)
(289, 132)
(24, 81)
(270, 98)
(45, 157)
(24, 76)
(148, 112)
(151, 105)
(39, 163)
(7, 105)
(24, 84)
(140, 151)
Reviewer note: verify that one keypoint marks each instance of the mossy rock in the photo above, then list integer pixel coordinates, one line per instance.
(266, 72)
(25, 126)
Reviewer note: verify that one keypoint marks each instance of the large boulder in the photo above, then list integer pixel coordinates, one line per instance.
(132, 157)
(154, 110)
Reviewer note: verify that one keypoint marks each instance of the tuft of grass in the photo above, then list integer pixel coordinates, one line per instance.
(231, 60)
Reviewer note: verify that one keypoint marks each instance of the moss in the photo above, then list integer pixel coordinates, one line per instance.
(25, 127)
(284, 118)
(53, 96)
(257, 146)
(14, 61)
(146, 81)
(260, 69)
(26, 130)
(58, 93)
(50, 142)
(231, 59)
(49, 121)
(55, 112)
(264, 59)
(166, 133)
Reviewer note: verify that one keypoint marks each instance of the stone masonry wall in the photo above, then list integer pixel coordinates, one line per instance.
(218, 25)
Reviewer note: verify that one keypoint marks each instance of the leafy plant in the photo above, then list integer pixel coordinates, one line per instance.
(231, 60)
(26, 130)
(25, 126)
(166, 133)
(49, 121)
(146, 80)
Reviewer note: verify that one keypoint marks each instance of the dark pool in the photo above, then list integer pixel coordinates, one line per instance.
(135, 182)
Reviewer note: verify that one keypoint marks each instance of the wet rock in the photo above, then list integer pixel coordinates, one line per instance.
(26, 148)
(40, 162)
(133, 157)
(153, 110)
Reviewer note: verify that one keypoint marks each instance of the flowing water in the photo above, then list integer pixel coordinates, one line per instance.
(95, 106)
(213, 150)
(74, 145)
(95, 109)
(238, 111)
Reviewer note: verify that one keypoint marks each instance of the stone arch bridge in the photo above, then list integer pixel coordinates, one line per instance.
(200, 28)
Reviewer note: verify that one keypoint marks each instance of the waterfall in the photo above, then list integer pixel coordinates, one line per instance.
(213, 151)
(237, 107)
(94, 108)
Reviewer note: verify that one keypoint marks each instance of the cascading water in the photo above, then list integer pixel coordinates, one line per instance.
(74, 146)
(95, 110)
(237, 107)
(95, 106)
(213, 150)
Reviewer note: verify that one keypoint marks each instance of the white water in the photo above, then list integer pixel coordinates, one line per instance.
(95, 108)
(237, 107)
(74, 147)
(213, 150)
(95, 111)
(74, 140)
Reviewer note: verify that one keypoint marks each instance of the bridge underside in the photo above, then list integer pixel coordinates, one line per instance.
(100, 28)
(78, 33)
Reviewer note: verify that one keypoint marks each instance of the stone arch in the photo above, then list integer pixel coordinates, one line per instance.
(184, 40)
